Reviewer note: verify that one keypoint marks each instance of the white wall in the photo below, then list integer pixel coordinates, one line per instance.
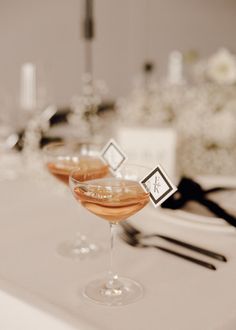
(127, 32)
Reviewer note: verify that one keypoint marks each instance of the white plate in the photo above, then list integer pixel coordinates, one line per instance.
(196, 216)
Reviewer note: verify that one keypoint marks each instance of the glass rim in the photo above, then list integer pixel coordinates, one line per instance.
(51, 145)
(88, 182)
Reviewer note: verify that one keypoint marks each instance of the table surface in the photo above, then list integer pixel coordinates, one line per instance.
(37, 214)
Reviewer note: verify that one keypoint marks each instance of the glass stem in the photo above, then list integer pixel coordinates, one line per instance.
(112, 237)
(113, 287)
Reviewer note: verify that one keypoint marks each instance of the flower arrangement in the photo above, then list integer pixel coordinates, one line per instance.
(207, 120)
(203, 113)
(207, 130)
(219, 68)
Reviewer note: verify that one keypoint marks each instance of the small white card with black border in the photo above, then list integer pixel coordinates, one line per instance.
(158, 185)
(113, 155)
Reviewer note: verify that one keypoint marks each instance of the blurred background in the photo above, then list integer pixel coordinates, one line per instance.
(128, 32)
(168, 66)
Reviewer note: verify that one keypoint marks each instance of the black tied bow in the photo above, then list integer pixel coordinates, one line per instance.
(189, 190)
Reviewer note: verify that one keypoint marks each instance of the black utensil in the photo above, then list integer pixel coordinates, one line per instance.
(131, 230)
(133, 241)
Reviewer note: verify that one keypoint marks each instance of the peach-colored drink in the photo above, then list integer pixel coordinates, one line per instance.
(89, 168)
(115, 204)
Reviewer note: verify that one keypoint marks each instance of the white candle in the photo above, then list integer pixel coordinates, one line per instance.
(28, 87)
(175, 68)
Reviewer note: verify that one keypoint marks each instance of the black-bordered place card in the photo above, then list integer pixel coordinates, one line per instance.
(158, 185)
(113, 155)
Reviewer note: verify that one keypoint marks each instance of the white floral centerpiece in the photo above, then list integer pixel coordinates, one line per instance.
(151, 103)
(153, 107)
(207, 121)
(203, 114)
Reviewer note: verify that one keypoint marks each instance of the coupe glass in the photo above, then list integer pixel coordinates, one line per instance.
(60, 159)
(113, 198)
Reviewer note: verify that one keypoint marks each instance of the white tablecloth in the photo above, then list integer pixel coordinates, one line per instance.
(41, 290)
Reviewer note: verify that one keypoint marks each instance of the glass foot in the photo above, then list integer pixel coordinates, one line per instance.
(115, 292)
(79, 248)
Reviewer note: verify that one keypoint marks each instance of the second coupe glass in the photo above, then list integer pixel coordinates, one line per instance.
(60, 159)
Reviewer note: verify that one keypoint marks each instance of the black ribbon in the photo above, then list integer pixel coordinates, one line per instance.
(189, 190)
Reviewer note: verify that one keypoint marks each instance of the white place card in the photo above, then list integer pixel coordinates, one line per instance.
(150, 146)
(158, 185)
(113, 155)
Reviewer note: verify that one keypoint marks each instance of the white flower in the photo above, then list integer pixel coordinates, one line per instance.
(221, 67)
